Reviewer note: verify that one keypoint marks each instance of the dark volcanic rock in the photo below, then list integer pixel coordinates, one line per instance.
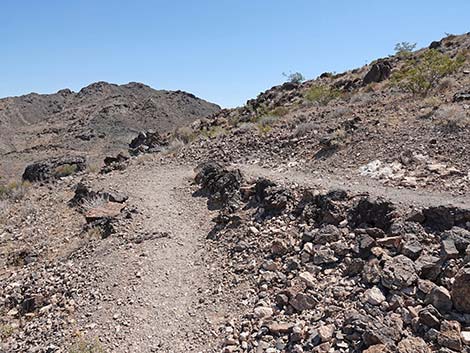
(461, 290)
(379, 71)
(54, 168)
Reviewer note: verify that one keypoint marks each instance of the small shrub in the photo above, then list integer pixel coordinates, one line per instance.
(431, 102)
(304, 128)
(338, 112)
(174, 146)
(184, 134)
(265, 123)
(14, 190)
(246, 127)
(419, 76)
(65, 170)
(445, 84)
(279, 111)
(93, 202)
(85, 346)
(295, 77)
(6, 330)
(322, 94)
(452, 118)
(213, 132)
(363, 98)
(404, 48)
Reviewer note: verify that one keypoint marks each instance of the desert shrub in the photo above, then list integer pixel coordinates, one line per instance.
(213, 132)
(452, 118)
(322, 94)
(279, 111)
(14, 190)
(6, 330)
(404, 48)
(93, 202)
(245, 127)
(432, 102)
(294, 77)
(445, 84)
(304, 128)
(265, 123)
(65, 170)
(86, 346)
(338, 112)
(363, 98)
(184, 134)
(174, 146)
(420, 75)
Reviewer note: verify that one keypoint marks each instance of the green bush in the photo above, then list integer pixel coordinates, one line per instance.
(420, 75)
(404, 48)
(14, 190)
(322, 94)
(295, 77)
(65, 170)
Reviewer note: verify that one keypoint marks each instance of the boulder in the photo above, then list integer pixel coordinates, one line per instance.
(449, 336)
(399, 272)
(379, 71)
(461, 290)
(413, 345)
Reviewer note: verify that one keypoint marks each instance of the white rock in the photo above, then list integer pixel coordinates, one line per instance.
(308, 279)
(465, 337)
(263, 312)
(374, 296)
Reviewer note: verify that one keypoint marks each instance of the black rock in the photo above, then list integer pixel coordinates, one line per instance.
(53, 168)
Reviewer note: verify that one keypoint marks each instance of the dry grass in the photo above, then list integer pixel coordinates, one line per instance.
(83, 345)
(65, 170)
(304, 128)
(452, 118)
(14, 190)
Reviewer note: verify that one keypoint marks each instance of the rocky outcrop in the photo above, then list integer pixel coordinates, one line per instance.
(379, 71)
(54, 168)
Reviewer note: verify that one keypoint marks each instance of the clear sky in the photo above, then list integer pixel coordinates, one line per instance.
(225, 51)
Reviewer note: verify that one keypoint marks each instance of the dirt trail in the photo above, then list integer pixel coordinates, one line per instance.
(157, 295)
(357, 184)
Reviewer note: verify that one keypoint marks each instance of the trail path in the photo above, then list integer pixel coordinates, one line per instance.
(358, 184)
(160, 295)
(157, 296)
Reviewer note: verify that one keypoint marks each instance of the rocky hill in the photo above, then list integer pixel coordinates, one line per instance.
(330, 215)
(99, 119)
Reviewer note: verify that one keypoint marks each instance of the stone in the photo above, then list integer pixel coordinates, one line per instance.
(412, 249)
(278, 248)
(326, 332)
(398, 272)
(378, 72)
(374, 296)
(430, 317)
(106, 210)
(440, 298)
(449, 335)
(460, 291)
(308, 279)
(303, 302)
(279, 328)
(262, 312)
(376, 348)
(324, 255)
(54, 168)
(413, 345)
(465, 336)
(428, 266)
(448, 249)
(364, 245)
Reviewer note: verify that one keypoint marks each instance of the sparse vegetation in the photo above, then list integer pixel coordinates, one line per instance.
(14, 190)
(338, 112)
(184, 134)
(294, 77)
(6, 330)
(265, 122)
(174, 146)
(420, 75)
(404, 48)
(213, 132)
(86, 346)
(245, 127)
(363, 98)
(322, 94)
(452, 118)
(65, 170)
(304, 128)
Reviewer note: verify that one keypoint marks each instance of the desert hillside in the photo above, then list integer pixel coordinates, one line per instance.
(329, 215)
(100, 119)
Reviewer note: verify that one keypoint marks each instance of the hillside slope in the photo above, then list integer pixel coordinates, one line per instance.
(101, 118)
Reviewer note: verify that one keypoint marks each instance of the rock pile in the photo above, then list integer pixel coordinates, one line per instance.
(53, 168)
(334, 272)
(147, 142)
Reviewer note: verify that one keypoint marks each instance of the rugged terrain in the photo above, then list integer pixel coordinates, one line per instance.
(330, 215)
(98, 120)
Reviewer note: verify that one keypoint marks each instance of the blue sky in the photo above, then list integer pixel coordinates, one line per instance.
(223, 51)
